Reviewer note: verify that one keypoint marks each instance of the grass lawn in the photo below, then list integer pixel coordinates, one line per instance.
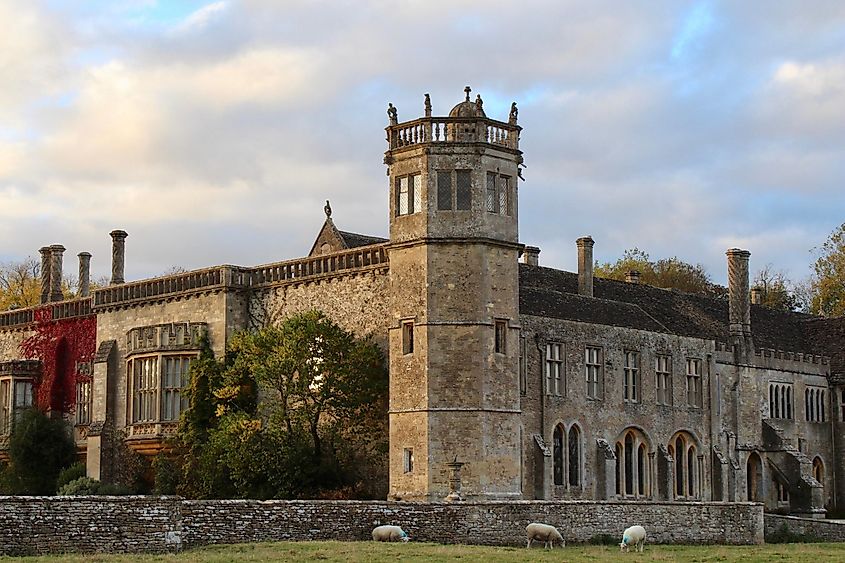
(371, 551)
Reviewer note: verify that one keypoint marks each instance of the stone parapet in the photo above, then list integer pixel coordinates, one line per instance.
(42, 525)
(237, 278)
(20, 318)
(453, 130)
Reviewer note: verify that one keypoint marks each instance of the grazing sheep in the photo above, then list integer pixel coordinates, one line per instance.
(635, 535)
(545, 533)
(389, 533)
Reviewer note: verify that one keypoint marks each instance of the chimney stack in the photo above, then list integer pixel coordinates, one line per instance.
(84, 274)
(632, 276)
(739, 314)
(46, 267)
(756, 295)
(585, 265)
(531, 256)
(118, 256)
(56, 252)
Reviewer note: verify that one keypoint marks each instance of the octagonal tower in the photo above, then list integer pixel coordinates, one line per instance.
(454, 337)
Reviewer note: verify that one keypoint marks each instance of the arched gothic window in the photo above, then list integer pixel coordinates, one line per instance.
(633, 465)
(688, 466)
(558, 454)
(574, 450)
(780, 400)
(818, 470)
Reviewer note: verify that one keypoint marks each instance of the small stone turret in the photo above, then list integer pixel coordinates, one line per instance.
(118, 256)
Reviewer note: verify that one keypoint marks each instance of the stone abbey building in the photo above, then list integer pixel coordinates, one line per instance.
(545, 384)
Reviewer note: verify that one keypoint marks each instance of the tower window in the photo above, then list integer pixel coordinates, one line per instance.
(444, 190)
(492, 196)
(500, 337)
(408, 460)
(463, 182)
(408, 338)
(408, 194)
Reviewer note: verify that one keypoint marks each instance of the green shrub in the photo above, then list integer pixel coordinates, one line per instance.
(167, 473)
(72, 473)
(79, 487)
(40, 447)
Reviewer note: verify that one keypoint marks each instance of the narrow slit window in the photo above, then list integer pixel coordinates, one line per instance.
(408, 338)
(500, 337)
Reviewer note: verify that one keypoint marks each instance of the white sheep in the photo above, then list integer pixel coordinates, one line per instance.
(548, 534)
(635, 535)
(389, 533)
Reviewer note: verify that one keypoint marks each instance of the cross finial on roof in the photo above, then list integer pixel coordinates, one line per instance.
(328, 209)
(467, 90)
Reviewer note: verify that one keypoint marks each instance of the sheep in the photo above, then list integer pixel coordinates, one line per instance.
(389, 533)
(548, 534)
(635, 535)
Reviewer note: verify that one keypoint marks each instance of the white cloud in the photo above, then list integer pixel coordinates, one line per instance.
(202, 16)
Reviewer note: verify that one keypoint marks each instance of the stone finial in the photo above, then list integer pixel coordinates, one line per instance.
(328, 210)
(739, 302)
(392, 114)
(46, 268)
(467, 89)
(632, 276)
(479, 104)
(585, 265)
(427, 105)
(512, 118)
(84, 274)
(118, 256)
(56, 252)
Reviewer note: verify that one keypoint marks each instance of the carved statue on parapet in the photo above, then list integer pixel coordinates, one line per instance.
(427, 105)
(479, 104)
(392, 114)
(512, 118)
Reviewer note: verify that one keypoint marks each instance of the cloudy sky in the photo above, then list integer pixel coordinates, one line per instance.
(213, 131)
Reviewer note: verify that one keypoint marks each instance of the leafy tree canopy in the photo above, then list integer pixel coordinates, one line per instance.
(669, 273)
(778, 291)
(827, 284)
(295, 410)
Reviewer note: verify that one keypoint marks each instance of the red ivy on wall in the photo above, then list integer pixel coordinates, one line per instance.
(60, 345)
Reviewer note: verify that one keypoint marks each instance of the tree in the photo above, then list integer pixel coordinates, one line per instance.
(669, 273)
(40, 447)
(778, 291)
(20, 284)
(827, 283)
(320, 426)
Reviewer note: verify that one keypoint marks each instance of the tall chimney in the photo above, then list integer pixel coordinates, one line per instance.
(585, 265)
(118, 256)
(531, 255)
(56, 252)
(632, 276)
(756, 295)
(739, 315)
(84, 274)
(46, 267)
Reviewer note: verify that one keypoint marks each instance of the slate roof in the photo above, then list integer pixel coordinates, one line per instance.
(353, 240)
(546, 292)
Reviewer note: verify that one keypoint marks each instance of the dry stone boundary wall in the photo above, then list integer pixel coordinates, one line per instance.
(41, 525)
(812, 528)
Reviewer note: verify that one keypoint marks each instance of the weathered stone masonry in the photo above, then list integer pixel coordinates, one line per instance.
(41, 525)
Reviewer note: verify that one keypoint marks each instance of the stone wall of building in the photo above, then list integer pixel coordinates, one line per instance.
(10, 340)
(356, 301)
(607, 415)
(811, 528)
(37, 525)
